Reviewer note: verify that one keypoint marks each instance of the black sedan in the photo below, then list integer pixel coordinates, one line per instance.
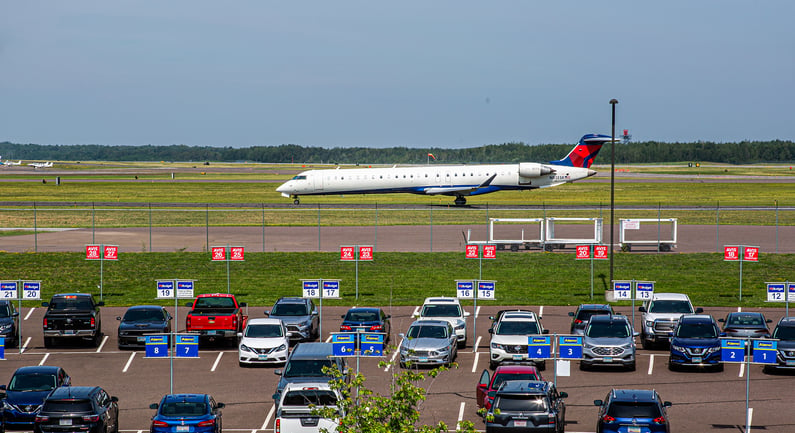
(141, 320)
(367, 319)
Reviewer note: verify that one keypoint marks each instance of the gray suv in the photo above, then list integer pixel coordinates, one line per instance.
(300, 317)
(608, 340)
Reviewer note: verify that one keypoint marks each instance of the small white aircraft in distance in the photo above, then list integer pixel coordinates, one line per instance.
(458, 181)
(13, 163)
(47, 164)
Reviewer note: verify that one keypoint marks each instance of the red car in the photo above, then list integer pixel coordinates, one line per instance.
(487, 387)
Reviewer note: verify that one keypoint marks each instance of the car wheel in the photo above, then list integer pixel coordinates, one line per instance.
(672, 366)
(719, 367)
(96, 340)
(768, 369)
(48, 342)
(644, 342)
(631, 367)
(583, 366)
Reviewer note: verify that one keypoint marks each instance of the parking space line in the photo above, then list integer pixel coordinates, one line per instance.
(416, 311)
(268, 418)
(739, 309)
(25, 346)
(328, 339)
(460, 414)
(29, 313)
(101, 345)
(43, 360)
(129, 361)
(392, 361)
(477, 312)
(477, 343)
(541, 311)
(750, 417)
(651, 363)
(742, 369)
(217, 360)
(475, 364)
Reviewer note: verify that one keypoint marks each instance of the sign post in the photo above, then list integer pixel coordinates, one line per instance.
(591, 252)
(480, 252)
(781, 292)
(102, 252)
(735, 350)
(31, 291)
(228, 254)
(740, 253)
(176, 289)
(569, 347)
(319, 289)
(475, 289)
(355, 253)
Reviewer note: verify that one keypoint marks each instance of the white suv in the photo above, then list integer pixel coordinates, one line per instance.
(661, 314)
(509, 334)
(448, 309)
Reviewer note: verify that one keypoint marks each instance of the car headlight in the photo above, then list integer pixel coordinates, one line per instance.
(245, 348)
(438, 352)
(404, 350)
(7, 406)
(460, 325)
(677, 348)
(649, 323)
(497, 346)
(713, 349)
(5, 326)
(282, 347)
(588, 346)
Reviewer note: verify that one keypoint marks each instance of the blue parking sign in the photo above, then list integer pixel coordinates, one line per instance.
(570, 347)
(539, 347)
(343, 344)
(371, 344)
(156, 346)
(732, 350)
(187, 346)
(2, 348)
(765, 351)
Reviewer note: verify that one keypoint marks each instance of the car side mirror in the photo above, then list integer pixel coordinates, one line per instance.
(564, 394)
(342, 317)
(389, 316)
(314, 312)
(722, 334)
(101, 304)
(571, 313)
(275, 396)
(597, 402)
(699, 310)
(114, 399)
(45, 304)
(491, 330)
(466, 313)
(667, 404)
(277, 372)
(491, 317)
(766, 321)
(189, 304)
(722, 320)
(220, 406)
(546, 331)
(118, 317)
(153, 406)
(402, 335)
(16, 314)
(267, 312)
(239, 335)
(636, 334)
(642, 309)
(242, 304)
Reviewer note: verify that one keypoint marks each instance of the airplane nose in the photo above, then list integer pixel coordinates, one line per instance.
(282, 187)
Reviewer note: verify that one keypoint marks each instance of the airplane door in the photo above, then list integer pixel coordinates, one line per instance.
(317, 179)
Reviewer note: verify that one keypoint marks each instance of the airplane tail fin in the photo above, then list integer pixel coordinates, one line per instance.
(585, 151)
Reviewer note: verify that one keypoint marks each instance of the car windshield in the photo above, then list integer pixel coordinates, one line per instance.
(307, 367)
(5, 311)
(32, 382)
(264, 331)
(502, 377)
(67, 406)
(784, 333)
(696, 330)
(305, 397)
(521, 403)
(631, 409)
(608, 330)
(749, 320)
(584, 315)
(663, 306)
(362, 316)
(184, 408)
(212, 302)
(144, 315)
(441, 310)
(427, 331)
(517, 328)
(289, 310)
(80, 303)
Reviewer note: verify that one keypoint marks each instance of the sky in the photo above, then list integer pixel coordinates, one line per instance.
(442, 73)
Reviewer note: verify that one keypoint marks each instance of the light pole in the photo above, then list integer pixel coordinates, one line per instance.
(613, 103)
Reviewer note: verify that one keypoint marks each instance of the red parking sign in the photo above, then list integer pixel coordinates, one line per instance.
(365, 253)
(472, 251)
(347, 253)
(111, 252)
(600, 252)
(731, 253)
(583, 252)
(751, 254)
(237, 253)
(489, 251)
(219, 253)
(92, 252)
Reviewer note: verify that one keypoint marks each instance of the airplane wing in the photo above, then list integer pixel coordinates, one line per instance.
(457, 189)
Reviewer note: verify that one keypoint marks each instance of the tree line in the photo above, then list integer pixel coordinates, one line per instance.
(744, 152)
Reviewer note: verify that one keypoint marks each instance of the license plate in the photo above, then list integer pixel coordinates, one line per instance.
(262, 357)
(141, 339)
(360, 330)
(517, 357)
(633, 429)
(423, 359)
(210, 332)
(608, 359)
(697, 359)
(183, 428)
(65, 421)
(520, 423)
(69, 332)
(790, 363)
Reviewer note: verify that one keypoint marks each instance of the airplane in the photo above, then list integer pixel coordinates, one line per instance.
(47, 164)
(458, 181)
(13, 163)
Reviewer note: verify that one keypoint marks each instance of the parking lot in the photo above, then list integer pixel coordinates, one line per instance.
(703, 401)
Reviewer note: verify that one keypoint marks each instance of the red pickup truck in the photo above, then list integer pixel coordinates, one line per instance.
(216, 316)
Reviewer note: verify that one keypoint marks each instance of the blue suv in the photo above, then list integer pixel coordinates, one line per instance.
(632, 410)
(696, 343)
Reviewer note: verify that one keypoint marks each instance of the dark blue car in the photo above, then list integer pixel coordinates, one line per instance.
(367, 319)
(632, 410)
(26, 392)
(696, 343)
(140, 321)
(194, 413)
(9, 323)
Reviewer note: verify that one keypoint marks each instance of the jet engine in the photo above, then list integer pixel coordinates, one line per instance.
(533, 169)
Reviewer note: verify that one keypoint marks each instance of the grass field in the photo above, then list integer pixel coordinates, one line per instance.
(401, 278)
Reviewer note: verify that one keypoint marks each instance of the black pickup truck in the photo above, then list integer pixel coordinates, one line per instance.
(72, 316)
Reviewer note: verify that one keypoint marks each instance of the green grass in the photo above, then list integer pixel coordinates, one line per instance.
(401, 278)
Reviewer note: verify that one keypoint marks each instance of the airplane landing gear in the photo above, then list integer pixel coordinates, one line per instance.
(460, 201)
(296, 201)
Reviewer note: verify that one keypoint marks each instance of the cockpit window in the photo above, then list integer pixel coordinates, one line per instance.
(300, 177)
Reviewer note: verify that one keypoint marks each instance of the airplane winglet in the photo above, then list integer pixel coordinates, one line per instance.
(488, 181)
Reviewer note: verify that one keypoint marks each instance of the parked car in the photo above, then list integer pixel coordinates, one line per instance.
(745, 325)
(660, 315)
(298, 401)
(367, 319)
(80, 409)
(9, 323)
(216, 317)
(140, 320)
(25, 394)
(447, 309)
(509, 333)
(632, 410)
(299, 315)
(305, 364)
(785, 334)
(428, 342)
(72, 316)
(194, 413)
(609, 341)
(264, 341)
(696, 343)
(584, 312)
(525, 405)
(487, 387)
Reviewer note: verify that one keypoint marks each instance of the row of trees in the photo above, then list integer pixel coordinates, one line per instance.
(745, 152)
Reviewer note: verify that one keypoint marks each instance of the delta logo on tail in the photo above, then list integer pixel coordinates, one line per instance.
(585, 152)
